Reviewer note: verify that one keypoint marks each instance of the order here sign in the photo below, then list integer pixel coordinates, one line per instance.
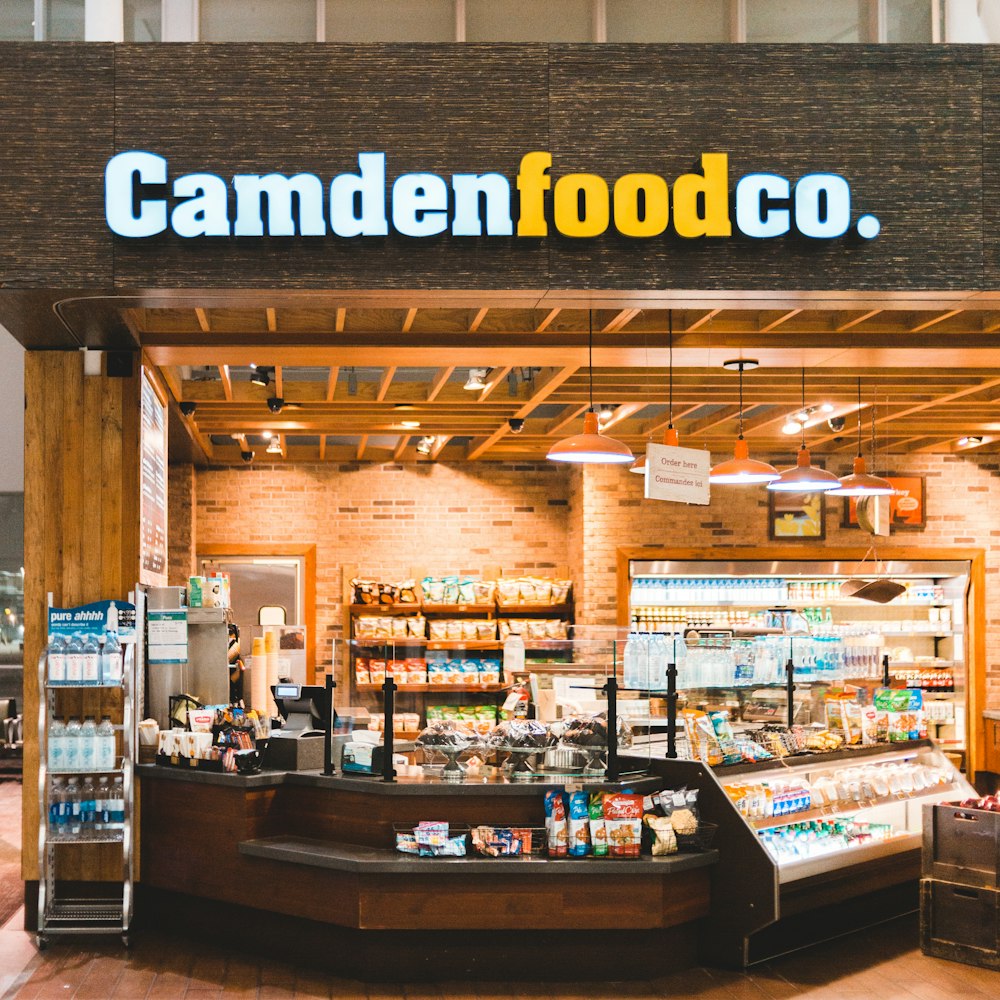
(677, 474)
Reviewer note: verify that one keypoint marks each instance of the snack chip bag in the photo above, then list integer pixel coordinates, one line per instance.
(623, 822)
(598, 831)
(556, 825)
(579, 825)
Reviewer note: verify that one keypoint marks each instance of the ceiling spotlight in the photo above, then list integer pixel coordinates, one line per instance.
(969, 440)
(827, 407)
(247, 456)
(352, 382)
(409, 424)
(260, 376)
(267, 435)
(606, 411)
(516, 425)
(188, 407)
(791, 426)
(424, 445)
(802, 416)
(274, 447)
(477, 379)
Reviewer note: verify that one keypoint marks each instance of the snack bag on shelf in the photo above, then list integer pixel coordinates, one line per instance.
(556, 824)
(623, 822)
(433, 590)
(724, 734)
(386, 593)
(701, 736)
(508, 591)
(483, 591)
(598, 831)
(664, 838)
(560, 591)
(489, 672)
(416, 627)
(436, 672)
(466, 591)
(365, 591)
(399, 628)
(486, 630)
(416, 671)
(450, 588)
(579, 825)
(376, 671)
(361, 674)
(406, 592)
(470, 671)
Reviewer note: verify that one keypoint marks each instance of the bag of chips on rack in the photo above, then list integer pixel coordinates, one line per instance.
(556, 823)
(664, 838)
(623, 822)
(579, 825)
(598, 831)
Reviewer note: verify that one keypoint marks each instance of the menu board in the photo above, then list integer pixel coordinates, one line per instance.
(153, 480)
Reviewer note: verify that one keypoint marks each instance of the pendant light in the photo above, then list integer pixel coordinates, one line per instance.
(861, 483)
(670, 434)
(804, 477)
(591, 446)
(741, 469)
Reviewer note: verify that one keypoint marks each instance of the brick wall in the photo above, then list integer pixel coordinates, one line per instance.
(180, 524)
(388, 518)
(963, 510)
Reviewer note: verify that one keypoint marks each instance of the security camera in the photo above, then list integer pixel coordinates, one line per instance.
(188, 407)
(247, 456)
(836, 423)
(516, 425)
(276, 404)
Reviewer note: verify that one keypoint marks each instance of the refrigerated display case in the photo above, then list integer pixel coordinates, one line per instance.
(814, 846)
(745, 619)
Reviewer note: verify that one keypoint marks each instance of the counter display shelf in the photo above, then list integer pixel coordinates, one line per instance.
(811, 831)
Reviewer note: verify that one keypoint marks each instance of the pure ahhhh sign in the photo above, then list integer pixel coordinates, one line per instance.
(583, 206)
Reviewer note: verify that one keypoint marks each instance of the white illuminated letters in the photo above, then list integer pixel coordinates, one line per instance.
(204, 212)
(122, 176)
(822, 206)
(420, 205)
(357, 201)
(753, 217)
(495, 189)
(280, 208)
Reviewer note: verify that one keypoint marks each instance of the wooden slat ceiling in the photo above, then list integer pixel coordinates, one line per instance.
(351, 376)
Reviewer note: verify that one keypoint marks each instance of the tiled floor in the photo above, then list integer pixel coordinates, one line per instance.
(879, 964)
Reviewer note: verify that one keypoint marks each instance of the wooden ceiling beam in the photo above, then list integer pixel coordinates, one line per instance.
(774, 324)
(858, 320)
(401, 445)
(680, 413)
(721, 416)
(271, 315)
(623, 318)
(478, 319)
(927, 324)
(227, 382)
(547, 321)
(384, 382)
(439, 445)
(362, 447)
(497, 377)
(279, 382)
(568, 415)
(340, 319)
(411, 315)
(331, 382)
(438, 382)
(202, 318)
(622, 412)
(322, 447)
(703, 319)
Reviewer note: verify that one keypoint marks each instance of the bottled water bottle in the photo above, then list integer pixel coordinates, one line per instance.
(57, 739)
(105, 756)
(74, 660)
(91, 660)
(71, 742)
(88, 809)
(111, 660)
(102, 802)
(635, 670)
(88, 744)
(73, 801)
(57, 660)
(657, 660)
(56, 801)
(116, 806)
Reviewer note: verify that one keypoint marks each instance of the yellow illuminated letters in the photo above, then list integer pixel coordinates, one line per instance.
(532, 182)
(713, 185)
(656, 211)
(589, 219)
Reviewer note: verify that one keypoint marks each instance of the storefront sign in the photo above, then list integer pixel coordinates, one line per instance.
(420, 205)
(677, 474)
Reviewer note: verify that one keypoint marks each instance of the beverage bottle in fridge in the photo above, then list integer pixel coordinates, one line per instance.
(73, 813)
(102, 804)
(56, 800)
(57, 659)
(57, 739)
(71, 744)
(104, 759)
(111, 659)
(658, 655)
(116, 805)
(74, 660)
(88, 808)
(88, 744)
(91, 660)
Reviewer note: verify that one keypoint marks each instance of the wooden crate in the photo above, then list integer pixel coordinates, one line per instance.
(960, 923)
(961, 846)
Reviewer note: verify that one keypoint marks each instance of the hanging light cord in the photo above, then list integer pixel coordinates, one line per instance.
(590, 354)
(859, 421)
(741, 401)
(670, 341)
(803, 426)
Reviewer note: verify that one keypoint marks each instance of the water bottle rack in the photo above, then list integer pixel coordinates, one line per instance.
(59, 914)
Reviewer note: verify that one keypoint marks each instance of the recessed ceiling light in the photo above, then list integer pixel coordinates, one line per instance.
(267, 435)
(410, 424)
(477, 379)
(828, 407)
(791, 426)
(741, 364)
(274, 448)
(970, 439)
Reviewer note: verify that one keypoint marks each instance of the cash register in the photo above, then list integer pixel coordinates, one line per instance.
(298, 744)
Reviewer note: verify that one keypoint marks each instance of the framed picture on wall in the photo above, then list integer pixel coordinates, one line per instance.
(907, 508)
(795, 516)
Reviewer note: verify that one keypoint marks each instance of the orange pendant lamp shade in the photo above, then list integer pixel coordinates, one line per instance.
(804, 477)
(741, 469)
(591, 446)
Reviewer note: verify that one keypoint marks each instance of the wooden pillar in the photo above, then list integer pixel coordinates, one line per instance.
(81, 538)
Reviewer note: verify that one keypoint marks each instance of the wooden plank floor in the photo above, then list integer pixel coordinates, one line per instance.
(883, 963)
